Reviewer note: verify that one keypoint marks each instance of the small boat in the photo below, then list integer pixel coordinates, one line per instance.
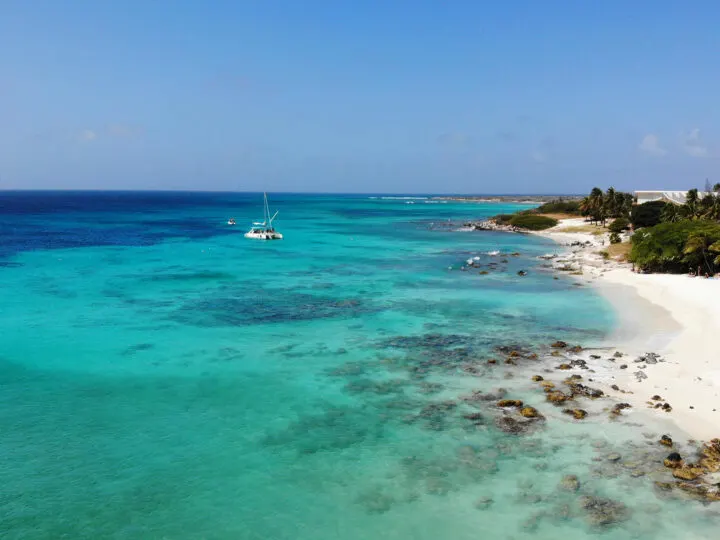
(231, 221)
(264, 230)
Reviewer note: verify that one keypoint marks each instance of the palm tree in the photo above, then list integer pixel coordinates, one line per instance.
(596, 204)
(627, 204)
(610, 201)
(697, 248)
(715, 248)
(692, 204)
(711, 207)
(671, 213)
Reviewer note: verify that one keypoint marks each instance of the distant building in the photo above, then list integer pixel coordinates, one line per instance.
(674, 197)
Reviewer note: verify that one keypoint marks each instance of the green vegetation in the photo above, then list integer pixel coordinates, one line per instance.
(532, 222)
(559, 206)
(503, 219)
(694, 208)
(678, 247)
(648, 214)
(599, 206)
(619, 225)
(615, 238)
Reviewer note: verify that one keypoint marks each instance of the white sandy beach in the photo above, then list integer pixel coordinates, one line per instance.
(673, 315)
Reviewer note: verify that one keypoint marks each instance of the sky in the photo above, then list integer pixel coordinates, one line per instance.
(376, 96)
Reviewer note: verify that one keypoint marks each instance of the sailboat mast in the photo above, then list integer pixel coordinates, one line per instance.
(266, 210)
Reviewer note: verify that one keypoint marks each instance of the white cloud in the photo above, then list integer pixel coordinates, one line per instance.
(651, 145)
(88, 135)
(693, 144)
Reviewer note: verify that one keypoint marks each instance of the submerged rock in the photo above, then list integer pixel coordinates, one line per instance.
(513, 426)
(376, 502)
(483, 503)
(701, 491)
(602, 512)
(559, 345)
(570, 482)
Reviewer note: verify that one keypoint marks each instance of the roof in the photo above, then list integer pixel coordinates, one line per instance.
(675, 197)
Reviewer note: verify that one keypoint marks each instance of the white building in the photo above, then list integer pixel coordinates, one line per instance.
(675, 197)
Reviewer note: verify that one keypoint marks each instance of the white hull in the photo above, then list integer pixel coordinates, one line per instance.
(264, 235)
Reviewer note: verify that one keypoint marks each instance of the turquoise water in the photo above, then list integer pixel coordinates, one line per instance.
(163, 377)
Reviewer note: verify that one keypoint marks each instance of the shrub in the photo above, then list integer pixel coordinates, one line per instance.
(619, 225)
(647, 214)
(678, 247)
(532, 222)
(615, 238)
(503, 219)
(559, 207)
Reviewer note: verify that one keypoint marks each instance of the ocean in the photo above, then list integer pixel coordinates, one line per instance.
(164, 377)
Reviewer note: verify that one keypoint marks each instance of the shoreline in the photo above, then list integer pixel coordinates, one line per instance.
(675, 316)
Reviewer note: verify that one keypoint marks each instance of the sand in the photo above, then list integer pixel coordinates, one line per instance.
(675, 316)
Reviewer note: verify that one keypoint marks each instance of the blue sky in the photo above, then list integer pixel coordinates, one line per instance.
(372, 96)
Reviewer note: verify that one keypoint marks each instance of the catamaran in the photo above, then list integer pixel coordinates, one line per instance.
(264, 230)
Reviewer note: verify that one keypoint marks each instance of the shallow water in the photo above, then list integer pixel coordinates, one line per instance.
(163, 377)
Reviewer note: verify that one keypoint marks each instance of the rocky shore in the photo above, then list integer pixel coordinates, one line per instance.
(677, 380)
(492, 225)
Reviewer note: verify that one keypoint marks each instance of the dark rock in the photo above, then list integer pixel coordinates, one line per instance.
(615, 387)
(530, 412)
(556, 397)
(624, 366)
(618, 408)
(559, 345)
(577, 389)
(564, 366)
(537, 378)
(666, 440)
(578, 414)
(673, 460)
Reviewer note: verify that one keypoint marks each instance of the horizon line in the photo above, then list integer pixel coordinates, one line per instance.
(220, 191)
